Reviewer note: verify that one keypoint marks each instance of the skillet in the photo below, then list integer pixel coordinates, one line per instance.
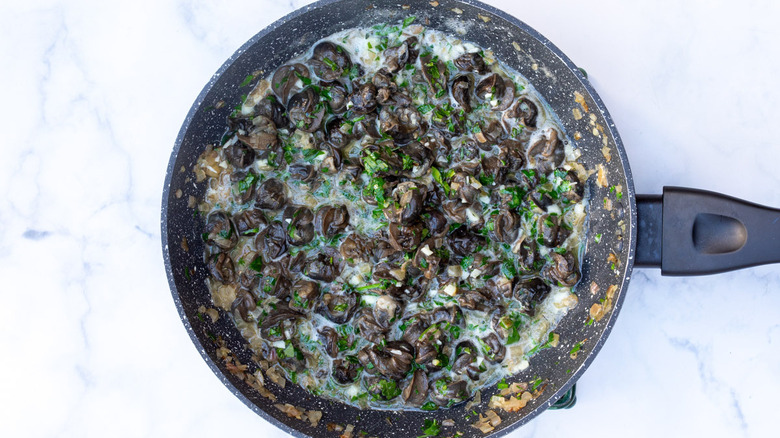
(683, 231)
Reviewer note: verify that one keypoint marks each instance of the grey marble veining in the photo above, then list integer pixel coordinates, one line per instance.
(95, 93)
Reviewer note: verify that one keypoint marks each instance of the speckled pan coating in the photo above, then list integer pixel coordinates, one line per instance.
(612, 219)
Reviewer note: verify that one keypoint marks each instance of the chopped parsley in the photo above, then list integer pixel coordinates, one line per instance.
(341, 307)
(517, 320)
(389, 389)
(517, 194)
(407, 162)
(373, 164)
(304, 79)
(247, 80)
(536, 349)
(437, 177)
(370, 286)
(431, 428)
(429, 406)
(257, 264)
(426, 108)
(311, 154)
(375, 189)
(333, 66)
(576, 348)
(247, 182)
(486, 180)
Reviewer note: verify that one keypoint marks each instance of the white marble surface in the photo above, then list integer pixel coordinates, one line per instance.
(95, 92)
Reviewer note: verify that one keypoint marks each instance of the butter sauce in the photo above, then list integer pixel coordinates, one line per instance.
(525, 331)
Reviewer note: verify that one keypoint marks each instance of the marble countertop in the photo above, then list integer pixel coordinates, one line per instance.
(95, 93)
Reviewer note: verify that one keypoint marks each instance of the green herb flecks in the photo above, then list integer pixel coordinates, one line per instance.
(247, 80)
(370, 286)
(538, 348)
(451, 67)
(513, 323)
(438, 178)
(536, 383)
(429, 406)
(304, 79)
(465, 264)
(375, 189)
(237, 108)
(426, 108)
(311, 154)
(354, 72)
(333, 66)
(289, 351)
(225, 234)
(343, 343)
(389, 389)
(508, 269)
(407, 162)
(372, 163)
(298, 301)
(245, 184)
(431, 428)
(433, 69)
(257, 264)
(576, 348)
(517, 194)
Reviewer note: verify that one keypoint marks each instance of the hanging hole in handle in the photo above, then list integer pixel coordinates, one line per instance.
(718, 234)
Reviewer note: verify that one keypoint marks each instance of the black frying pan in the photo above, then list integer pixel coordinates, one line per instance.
(683, 231)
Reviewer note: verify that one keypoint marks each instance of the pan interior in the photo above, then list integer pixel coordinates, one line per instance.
(606, 260)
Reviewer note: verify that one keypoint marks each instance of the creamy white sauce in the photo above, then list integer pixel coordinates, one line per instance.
(363, 47)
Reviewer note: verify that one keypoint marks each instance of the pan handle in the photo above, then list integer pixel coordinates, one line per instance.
(697, 232)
